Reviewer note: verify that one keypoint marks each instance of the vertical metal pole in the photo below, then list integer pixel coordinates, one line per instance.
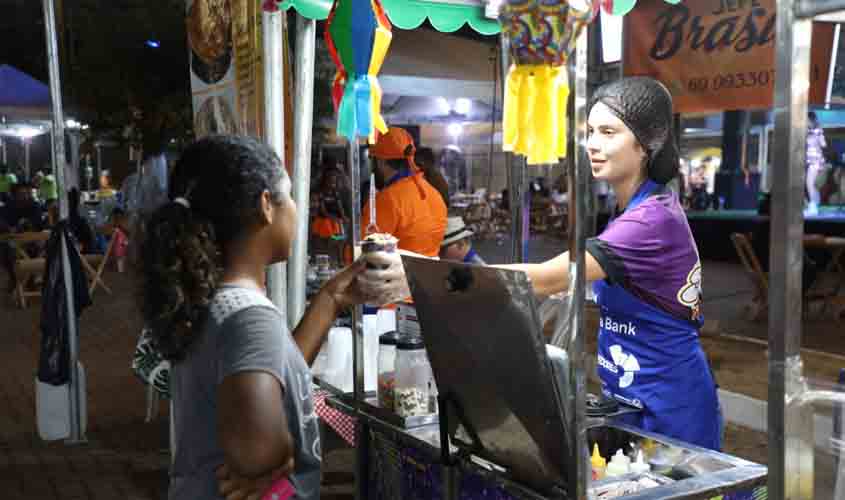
(26, 159)
(99, 166)
(306, 30)
(832, 71)
(274, 124)
(72, 179)
(355, 240)
(362, 433)
(579, 203)
(790, 431)
(76, 433)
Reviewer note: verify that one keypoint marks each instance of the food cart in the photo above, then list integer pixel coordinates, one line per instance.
(513, 426)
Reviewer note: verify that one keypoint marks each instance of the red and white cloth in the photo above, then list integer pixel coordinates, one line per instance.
(342, 423)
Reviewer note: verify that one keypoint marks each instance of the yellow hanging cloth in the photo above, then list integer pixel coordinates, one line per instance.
(534, 118)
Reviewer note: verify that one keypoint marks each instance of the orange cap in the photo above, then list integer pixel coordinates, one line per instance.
(395, 144)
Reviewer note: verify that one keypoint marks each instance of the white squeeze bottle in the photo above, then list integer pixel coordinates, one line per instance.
(640, 466)
(619, 464)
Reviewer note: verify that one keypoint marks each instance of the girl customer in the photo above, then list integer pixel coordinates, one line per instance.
(241, 381)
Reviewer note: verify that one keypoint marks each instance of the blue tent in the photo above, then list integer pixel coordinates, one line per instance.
(22, 97)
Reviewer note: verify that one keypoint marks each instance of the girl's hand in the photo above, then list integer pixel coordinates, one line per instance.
(234, 487)
(344, 289)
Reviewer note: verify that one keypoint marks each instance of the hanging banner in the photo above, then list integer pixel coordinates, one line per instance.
(215, 95)
(715, 55)
(227, 70)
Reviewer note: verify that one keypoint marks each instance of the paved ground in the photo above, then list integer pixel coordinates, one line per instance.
(124, 457)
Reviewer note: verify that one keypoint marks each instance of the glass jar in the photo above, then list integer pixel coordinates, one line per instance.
(387, 368)
(412, 376)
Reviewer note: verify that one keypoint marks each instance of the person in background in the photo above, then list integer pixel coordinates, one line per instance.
(816, 145)
(243, 411)
(129, 191)
(48, 190)
(457, 243)
(21, 214)
(331, 215)
(79, 226)
(427, 162)
(7, 180)
(120, 233)
(407, 206)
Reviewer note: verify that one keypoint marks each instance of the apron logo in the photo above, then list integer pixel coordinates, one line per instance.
(628, 362)
(690, 294)
(616, 327)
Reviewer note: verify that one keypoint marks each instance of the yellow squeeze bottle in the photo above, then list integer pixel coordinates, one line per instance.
(599, 464)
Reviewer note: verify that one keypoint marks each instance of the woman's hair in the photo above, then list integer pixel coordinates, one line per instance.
(645, 106)
(215, 192)
(812, 121)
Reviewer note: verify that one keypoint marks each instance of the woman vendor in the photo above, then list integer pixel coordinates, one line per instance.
(644, 267)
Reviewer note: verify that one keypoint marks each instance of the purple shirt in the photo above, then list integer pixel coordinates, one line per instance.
(649, 250)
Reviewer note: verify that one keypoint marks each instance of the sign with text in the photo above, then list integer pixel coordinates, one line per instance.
(715, 55)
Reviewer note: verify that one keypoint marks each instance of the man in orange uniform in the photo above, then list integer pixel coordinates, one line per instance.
(407, 206)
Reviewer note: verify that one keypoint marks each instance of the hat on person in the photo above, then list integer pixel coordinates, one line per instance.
(456, 230)
(397, 143)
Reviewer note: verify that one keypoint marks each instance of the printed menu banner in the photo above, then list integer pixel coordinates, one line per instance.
(715, 55)
(227, 70)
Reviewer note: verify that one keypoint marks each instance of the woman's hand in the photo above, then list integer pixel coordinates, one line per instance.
(234, 487)
(384, 281)
(344, 289)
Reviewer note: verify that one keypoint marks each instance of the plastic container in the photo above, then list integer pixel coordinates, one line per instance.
(619, 464)
(412, 377)
(387, 369)
(598, 464)
(379, 242)
(640, 466)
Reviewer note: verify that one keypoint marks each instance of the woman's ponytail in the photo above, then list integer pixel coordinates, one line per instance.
(181, 270)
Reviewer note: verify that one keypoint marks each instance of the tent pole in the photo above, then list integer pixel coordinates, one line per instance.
(274, 126)
(303, 110)
(26, 159)
(76, 432)
(790, 427)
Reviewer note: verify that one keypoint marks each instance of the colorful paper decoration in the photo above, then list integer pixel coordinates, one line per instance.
(542, 36)
(358, 35)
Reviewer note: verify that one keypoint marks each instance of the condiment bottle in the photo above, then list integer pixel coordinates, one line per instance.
(412, 376)
(599, 464)
(619, 464)
(639, 466)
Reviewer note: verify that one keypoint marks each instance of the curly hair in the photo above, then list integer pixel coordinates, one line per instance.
(221, 180)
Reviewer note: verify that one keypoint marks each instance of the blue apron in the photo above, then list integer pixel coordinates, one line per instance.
(649, 359)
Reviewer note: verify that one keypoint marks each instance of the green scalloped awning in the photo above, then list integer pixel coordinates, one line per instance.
(410, 14)
(622, 7)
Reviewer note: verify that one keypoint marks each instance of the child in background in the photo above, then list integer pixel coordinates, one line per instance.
(120, 247)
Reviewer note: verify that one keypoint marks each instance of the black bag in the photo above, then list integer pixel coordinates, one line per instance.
(54, 358)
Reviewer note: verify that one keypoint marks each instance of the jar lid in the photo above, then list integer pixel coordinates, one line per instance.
(389, 338)
(411, 342)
